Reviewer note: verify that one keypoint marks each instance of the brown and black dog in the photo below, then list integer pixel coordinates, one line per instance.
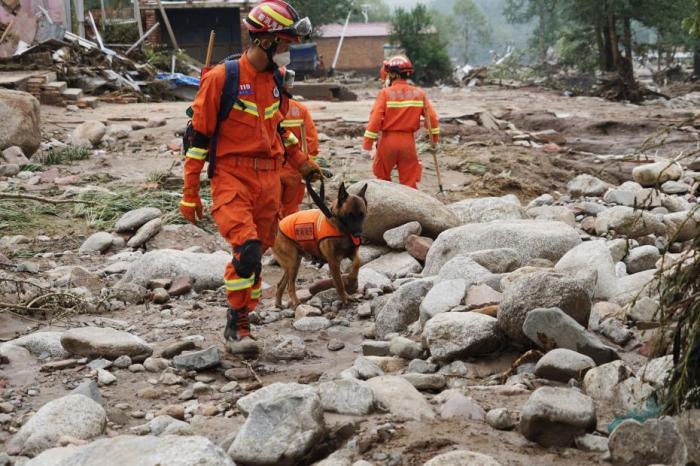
(310, 233)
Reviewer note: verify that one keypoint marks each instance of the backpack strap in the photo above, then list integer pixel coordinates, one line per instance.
(229, 97)
(284, 94)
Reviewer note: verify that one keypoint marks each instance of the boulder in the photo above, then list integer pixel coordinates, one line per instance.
(462, 458)
(531, 238)
(431, 382)
(146, 232)
(88, 134)
(402, 308)
(418, 246)
(365, 369)
(198, 360)
(76, 416)
(97, 242)
(463, 407)
(538, 290)
(442, 297)
(592, 256)
(500, 419)
(502, 260)
(400, 398)
(480, 296)
(135, 219)
(464, 268)
(405, 348)
(346, 397)
(395, 265)
(656, 441)
(628, 222)
(554, 213)
(552, 328)
(562, 365)
(675, 187)
(39, 343)
(487, 209)
(642, 258)
(20, 125)
(659, 172)
(556, 416)
(280, 431)
(600, 382)
(275, 390)
(391, 205)
(632, 394)
(458, 335)
(587, 185)
(206, 270)
(130, 450)
(285, 348)
(396, 237)
(13, 155)
(682, 226)
(370, 278)
(656, 371)
(105, 342)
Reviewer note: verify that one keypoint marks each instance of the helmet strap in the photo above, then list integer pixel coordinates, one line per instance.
(269, 52)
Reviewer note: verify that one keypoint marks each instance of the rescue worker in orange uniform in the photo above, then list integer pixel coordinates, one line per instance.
(293, 189)
(250, 152)
(396, 116)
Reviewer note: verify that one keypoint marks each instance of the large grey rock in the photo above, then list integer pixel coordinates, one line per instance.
(587, 185)
(130, 450)
(20, 122)
(431, 382)
(370, 278)
(553, 213)
(538, 290)
(280, 431)
(628, 222)
(632, 395)
(675, 187)
(286, 348)
(366, 369)
(562, 365)
(395, 265)
(656, 441)
(275, 390)
(659, 172)
(73, 415)
(146, 232)
(443, 297)
(392, 204)
(97, 242)
(487, 209)
(400, 398)
(592, 256)
(465, 268)
(642, 258)
(683, 226)
(556, 416)
(346, 397)
(458, 335)
(206, 270)
(657, 370)
(198, 360)
(600, 382)
(396, 237)
(501, 260)
(39, 343)
(552, 328)
(462, 458)
(531, 238)
(13, 155)
(688, 423)
(135, 219)
(405, 348)
(643, 309)
(88, 134)
(106, 342)
(402, 308)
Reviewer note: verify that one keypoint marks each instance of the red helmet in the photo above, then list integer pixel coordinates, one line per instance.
(399, 64)
(279, 18)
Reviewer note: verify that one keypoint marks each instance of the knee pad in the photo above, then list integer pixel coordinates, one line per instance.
(249, 259)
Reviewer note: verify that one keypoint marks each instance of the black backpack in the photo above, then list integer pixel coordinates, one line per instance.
(229, 97)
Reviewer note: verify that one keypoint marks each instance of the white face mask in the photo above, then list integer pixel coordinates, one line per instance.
(282, 59)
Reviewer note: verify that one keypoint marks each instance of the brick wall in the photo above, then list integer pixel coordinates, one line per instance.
(149, 17)
(363, 54)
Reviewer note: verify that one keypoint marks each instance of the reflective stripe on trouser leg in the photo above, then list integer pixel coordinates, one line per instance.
(237, 289)
(254, 296)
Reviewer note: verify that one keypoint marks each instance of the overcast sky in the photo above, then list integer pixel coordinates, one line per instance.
(404, 3)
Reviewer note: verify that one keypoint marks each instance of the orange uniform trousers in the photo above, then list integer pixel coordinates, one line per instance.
(293, 190)
(398, 149)
(245, 207)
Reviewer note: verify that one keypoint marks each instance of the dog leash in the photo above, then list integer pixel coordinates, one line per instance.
(320, 197)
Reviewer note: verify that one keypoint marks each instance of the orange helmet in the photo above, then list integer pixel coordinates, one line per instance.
(279, 18)
(400, 65)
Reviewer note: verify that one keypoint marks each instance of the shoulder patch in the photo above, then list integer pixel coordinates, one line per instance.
(245, 89)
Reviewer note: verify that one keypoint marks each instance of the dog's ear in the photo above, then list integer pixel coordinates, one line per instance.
(362, 193)
(342, 194)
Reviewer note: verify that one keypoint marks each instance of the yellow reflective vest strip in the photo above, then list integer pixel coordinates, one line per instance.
(197, 153)
(247, 107)
(256, 293)
(404, 103)
(271, 110)
(188, 204)
(240, 283)
(292, 123)
(371, 134)
(290, 140)
(435, 131)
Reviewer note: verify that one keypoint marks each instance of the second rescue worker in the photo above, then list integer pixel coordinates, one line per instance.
(396, 115)
(249, 156)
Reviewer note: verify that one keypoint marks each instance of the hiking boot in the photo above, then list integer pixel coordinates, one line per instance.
(237, 333)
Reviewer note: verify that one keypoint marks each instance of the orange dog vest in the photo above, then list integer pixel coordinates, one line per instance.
(308, 228)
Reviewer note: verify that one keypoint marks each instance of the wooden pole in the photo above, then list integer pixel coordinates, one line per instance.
(433, 147)
(104, 15)
(137, 15)
(7, 29)
(210, 48)
(142, 38)
(167, 24)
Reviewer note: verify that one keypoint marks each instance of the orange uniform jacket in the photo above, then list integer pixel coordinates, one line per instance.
(307, 228)
(297, 115)
(399, 107)
(251, 128)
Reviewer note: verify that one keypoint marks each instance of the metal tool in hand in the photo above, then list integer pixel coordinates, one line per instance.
(433, 145)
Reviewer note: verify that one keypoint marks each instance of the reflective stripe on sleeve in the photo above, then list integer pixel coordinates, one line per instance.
(435, 131)
(188, 204)
(405, 103)
(292, 123)
(290, 140)
(371, 134)
(240, 283)
(246, 106)
(197, 153)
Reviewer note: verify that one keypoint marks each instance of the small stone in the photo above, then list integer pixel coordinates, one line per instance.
(198, 360)
(375, 348)
(500, 419)
(311, 324)
(134, 368)
(175, 411)
(105, 378)
(418, 246)
(366, 369)
(230, 387)
(420, 366)
(176, 348)
(286, 348)
(304, 310)
(148, 393)
(463, 407)
(98, 242)
(181, 285)
(122, 362)
(562, 364)
(432, 382)
(155, 364)
(335, 345)
(405, 348)
(160, 296)
(395, 238)
(592, 443)
(238, 373)
(209, 410)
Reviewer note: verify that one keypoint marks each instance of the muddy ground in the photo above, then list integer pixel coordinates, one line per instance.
(475, 161)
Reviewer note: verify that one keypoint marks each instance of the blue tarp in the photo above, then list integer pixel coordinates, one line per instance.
(178, 79)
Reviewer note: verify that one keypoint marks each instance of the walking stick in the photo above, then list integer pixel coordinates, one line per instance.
(433, 146)
(210, 49)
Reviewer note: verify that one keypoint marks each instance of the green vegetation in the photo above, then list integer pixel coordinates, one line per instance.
(63, 155)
